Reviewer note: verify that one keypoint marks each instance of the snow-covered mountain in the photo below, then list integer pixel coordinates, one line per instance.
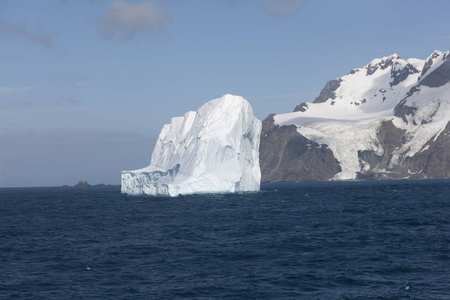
(387, 119)
(212, 150)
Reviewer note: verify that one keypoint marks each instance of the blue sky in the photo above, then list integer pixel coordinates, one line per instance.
(86, 85)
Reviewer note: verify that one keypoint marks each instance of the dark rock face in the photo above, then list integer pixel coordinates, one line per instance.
(371, 69)
(428, 64)
(390, 138)
(402, 111)
(433, 161)
(438, 77)
(328, 92)
(301, 107)
(401, 75)
(286, 155)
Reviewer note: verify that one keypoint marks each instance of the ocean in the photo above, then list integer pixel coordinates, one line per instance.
(316, 240)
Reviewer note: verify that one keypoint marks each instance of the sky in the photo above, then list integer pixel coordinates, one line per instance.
(86, 85)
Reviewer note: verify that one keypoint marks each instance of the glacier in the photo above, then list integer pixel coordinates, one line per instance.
(212, 150)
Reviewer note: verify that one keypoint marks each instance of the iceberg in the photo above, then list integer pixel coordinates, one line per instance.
(213, 150)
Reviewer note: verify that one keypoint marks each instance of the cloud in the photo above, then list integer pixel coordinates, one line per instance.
(9, 90)
(122, 20)
(283, 8)
(19, 29)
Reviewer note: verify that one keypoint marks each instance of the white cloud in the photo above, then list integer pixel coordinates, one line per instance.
(9, 90)
(36, 37)
(123, 20)
(283, 8)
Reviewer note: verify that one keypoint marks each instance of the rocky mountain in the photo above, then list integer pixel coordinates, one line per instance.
(386, 120)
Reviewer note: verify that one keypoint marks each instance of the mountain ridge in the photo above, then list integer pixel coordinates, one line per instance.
(385, 120)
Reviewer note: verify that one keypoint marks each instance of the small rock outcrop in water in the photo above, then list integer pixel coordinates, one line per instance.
(389, 119)
(213, 150)
(82, 183)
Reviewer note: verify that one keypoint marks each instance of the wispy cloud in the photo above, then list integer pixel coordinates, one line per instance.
(19, 29)
(124, 20)
(283, 8)
(9, 90)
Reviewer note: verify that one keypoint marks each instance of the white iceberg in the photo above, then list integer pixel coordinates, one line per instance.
(213, 150)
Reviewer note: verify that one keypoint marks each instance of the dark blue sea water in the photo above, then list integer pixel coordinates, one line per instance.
(351, 240)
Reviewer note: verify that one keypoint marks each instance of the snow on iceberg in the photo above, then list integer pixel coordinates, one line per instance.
(213, 150)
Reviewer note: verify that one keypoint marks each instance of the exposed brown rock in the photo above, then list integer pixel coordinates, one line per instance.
(390, 138)
(301, 107)
(434, 162)
(286, 155)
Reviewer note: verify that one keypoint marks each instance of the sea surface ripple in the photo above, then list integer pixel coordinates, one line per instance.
(334, 240)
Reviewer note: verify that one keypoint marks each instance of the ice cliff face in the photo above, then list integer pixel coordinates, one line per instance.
(213, 150)
(388, 119)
